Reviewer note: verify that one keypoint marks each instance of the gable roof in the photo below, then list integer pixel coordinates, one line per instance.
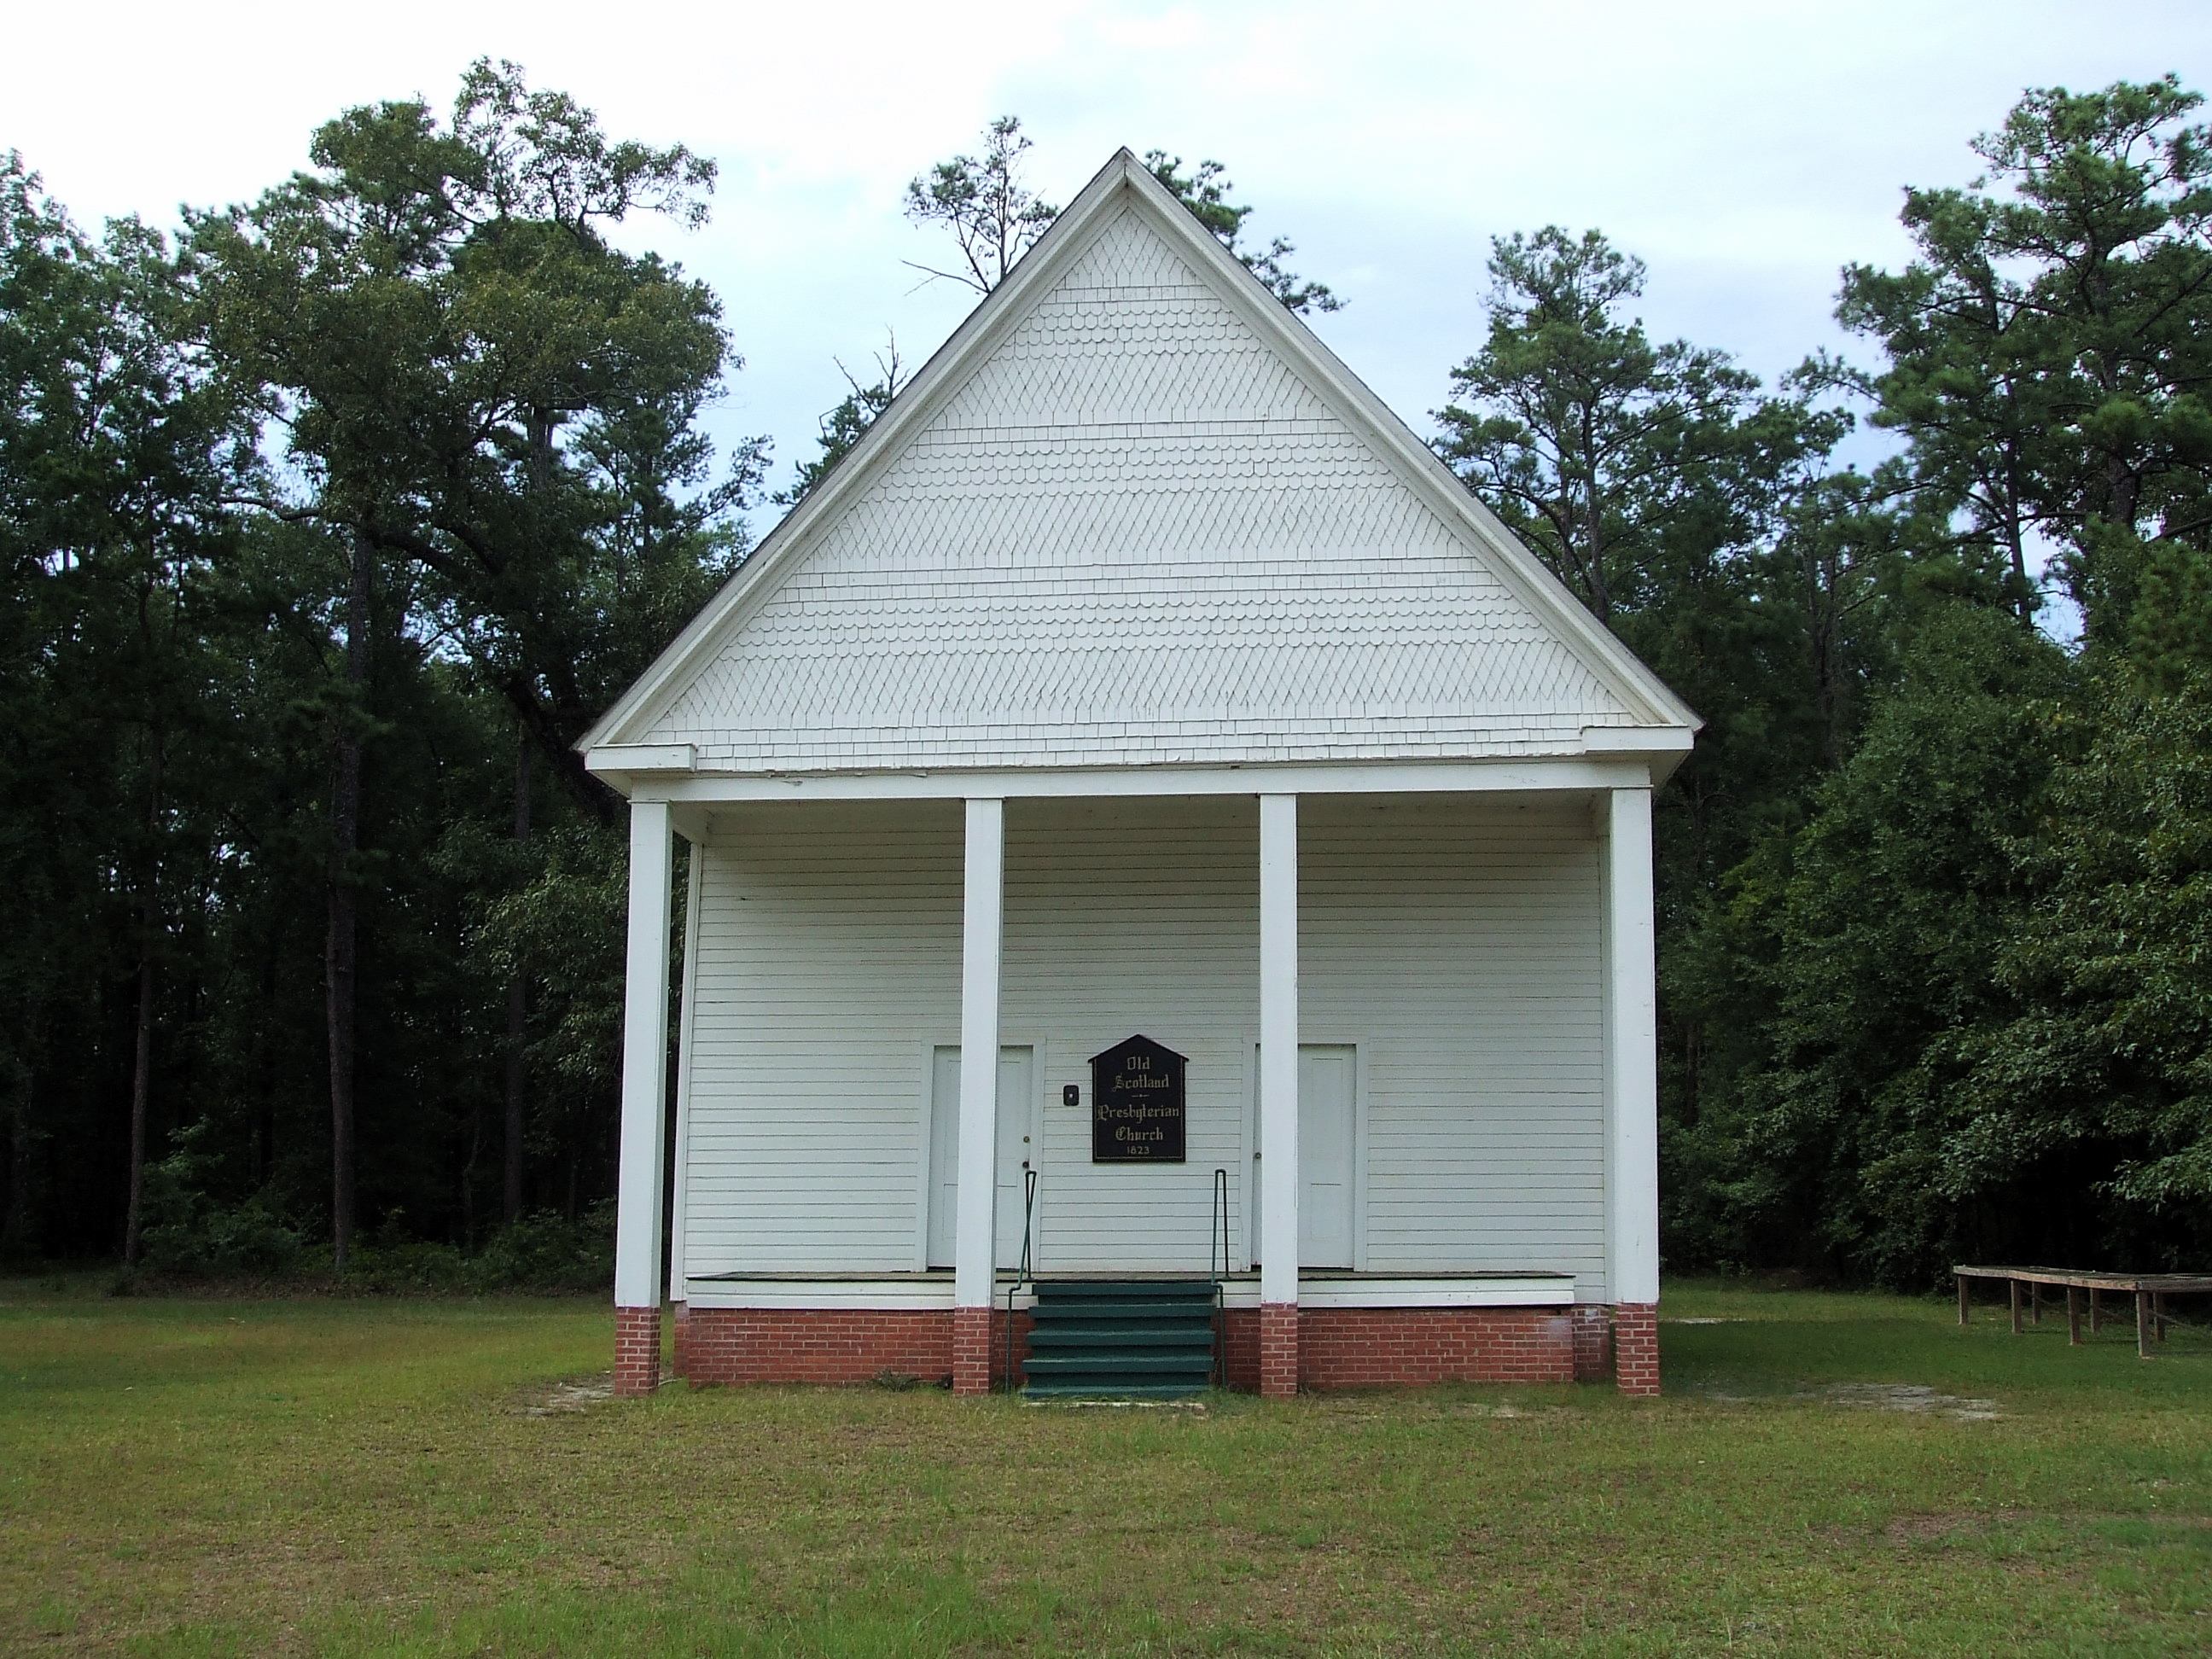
(1135, 512)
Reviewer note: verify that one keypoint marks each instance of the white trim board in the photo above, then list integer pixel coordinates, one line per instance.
(933, 1292)
(923, 1290)
(1530, 776)
(1385, 1290)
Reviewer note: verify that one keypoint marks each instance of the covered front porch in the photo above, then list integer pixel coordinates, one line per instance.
(1414, 1004)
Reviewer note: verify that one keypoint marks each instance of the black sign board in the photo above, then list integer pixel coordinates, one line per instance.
(1136, 1104)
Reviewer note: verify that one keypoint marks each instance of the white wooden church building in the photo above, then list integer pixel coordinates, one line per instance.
(1140, 689)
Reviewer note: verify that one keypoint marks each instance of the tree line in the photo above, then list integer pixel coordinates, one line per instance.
(331, 520)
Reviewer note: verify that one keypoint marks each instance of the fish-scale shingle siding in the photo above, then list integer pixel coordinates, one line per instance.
(1136, 536)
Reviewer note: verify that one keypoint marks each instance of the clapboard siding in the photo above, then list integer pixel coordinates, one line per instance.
(1125, 917)
(830, 961)
(1455, 940)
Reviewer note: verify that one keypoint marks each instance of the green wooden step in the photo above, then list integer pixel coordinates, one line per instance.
(1121, 1339)
(1120, 1362)
(1111, 1313)
(1124, 1391)
(1047, 1337)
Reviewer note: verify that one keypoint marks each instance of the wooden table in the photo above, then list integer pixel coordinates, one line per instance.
(2149, 1289)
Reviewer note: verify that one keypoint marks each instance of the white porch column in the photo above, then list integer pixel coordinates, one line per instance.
(983, 903)
(1279, 1095)
(1631, 1073)
(644, 1105)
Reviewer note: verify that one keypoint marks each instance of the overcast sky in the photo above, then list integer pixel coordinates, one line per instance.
(1744, 151)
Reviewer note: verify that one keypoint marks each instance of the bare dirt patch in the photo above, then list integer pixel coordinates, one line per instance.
(567, 1398)
(1911, 1397)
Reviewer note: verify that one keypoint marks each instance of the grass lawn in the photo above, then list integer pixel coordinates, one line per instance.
(398, 1477)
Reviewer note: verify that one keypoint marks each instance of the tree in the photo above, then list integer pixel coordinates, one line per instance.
(491, 407)
(1594, 444)
(1678, 501)
(2049, 346)
(994, 217)
(1881, 919)
(119, 451)
(843, 426)
(2104, 1069)
(1205, 192)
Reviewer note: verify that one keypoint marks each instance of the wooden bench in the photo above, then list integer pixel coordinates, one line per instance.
(2149, 1291)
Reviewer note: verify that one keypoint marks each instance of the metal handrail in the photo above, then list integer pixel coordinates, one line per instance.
(1217, 1249)
(1023, 1273)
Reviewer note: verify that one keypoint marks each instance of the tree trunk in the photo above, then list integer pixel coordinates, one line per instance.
(2015, 540)
(517, 1011)
(339, 946)
(18, 1232)
(469, 1177)
(264, 1069)
(142, 1063)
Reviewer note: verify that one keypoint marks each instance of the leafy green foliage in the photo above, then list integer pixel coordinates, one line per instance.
(1610, 456)
(1876, 928)
(843, 426)
(2107, 1065)
(993, 215)
(469, 375)
(2047, 349)
(425, 346)
(1205, 192)
(189, 1234)
(1931, 978)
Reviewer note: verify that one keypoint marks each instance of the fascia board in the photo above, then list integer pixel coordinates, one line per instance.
(1424, 470)
(947, 370)
(1506, 774)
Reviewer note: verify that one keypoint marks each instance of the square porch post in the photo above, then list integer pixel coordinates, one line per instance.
(974, 1221)
(1278, 1095)
(1631, 1074)
(644, 1105)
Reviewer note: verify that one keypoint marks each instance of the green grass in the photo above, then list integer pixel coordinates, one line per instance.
(366, 1477)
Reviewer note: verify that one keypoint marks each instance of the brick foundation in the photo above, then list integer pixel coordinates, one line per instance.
(1279, 1330)
(1409, 1347)
(971, 1350)
(1412, 1348)
(1326, 1347)
(728, 1345)
(1593, 1341)
(815, 1345)
(637, 1351)
(1635, 1347)
(1240, 1344)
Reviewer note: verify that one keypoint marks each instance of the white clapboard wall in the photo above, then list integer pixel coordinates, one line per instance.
(1453, 941)
(1456, 941)
(829, 969)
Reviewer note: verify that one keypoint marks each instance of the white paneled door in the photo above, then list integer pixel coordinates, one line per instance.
(1017, 1095)
(1325, 1156)
(1327, 1148)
